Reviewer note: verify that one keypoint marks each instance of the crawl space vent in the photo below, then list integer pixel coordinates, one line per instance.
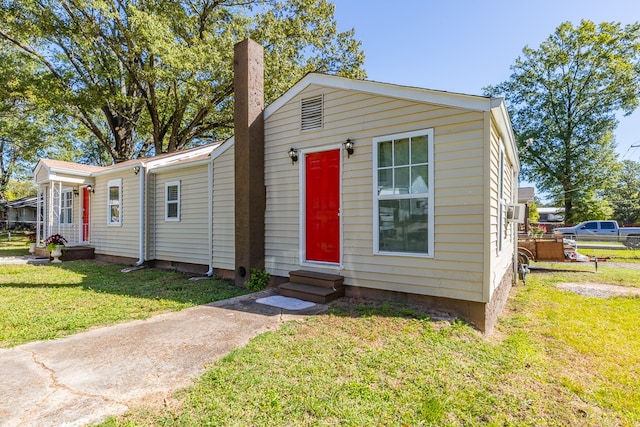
(311, 113)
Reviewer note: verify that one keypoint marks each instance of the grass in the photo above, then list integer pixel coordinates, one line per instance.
(557, 358)
(18, 245)
(50, 301)
(617, 255)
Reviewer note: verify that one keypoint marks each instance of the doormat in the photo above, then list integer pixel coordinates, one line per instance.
(286, 303)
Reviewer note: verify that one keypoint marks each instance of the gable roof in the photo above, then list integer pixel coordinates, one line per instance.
(180, 157)
(451, 99)
(494, 106)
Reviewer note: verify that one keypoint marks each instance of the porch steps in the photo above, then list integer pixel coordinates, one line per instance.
(311, 286)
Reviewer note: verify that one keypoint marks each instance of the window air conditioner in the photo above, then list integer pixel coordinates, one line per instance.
(515, 212)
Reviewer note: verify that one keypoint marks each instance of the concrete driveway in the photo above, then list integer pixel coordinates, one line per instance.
(86, 377)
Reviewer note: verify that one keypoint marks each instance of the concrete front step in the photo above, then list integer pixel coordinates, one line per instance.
(325, 280)
(313, 293)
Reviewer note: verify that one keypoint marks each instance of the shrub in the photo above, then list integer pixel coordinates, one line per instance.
(258, 280)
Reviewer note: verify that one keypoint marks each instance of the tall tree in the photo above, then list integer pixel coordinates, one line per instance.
(624, 195)
(20, 118)
(563, 98)
(156, 76)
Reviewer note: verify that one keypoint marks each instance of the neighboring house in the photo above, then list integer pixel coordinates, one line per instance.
(551, 214)
(526, 196)
(21, 213)
(402, 191)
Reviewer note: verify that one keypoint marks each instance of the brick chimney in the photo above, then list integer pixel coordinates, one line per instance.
(250, 193)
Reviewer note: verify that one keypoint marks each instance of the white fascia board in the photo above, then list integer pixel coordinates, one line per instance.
(178, 156)
(109, 171)
(82, 179)
(449, 99)
(222, 148)
(180, 165)
(501, 116)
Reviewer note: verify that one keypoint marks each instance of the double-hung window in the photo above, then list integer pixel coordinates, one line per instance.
(172, 201)
(114, 202)
(403, 193)
(66, 206)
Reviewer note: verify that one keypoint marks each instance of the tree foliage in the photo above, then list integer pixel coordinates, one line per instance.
(624, 195)
(563, 98)
(21, 121)
(157, 76)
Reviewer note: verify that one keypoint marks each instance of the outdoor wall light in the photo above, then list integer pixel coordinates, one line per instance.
(136, 170)
(90, 188)
(348, 145)
(76, 193)
(293, 155)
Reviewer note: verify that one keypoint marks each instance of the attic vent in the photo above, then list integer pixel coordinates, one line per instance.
(311, 113)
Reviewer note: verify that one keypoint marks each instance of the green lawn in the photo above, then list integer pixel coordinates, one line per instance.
(50, 301)
(556, 359)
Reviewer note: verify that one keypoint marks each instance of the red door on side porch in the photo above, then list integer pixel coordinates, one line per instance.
(323, 206)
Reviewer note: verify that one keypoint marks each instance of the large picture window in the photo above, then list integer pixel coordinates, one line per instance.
(114, 202)
(403, 187)
(66, 206)
(172, 201)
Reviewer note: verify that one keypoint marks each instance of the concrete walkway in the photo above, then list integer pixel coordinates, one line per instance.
(86, 377)
(24, 259)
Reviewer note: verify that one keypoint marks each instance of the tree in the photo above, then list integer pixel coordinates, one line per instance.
(624, 196)
(20, 119)
(157, 76)
(563, 98)
(589, 206)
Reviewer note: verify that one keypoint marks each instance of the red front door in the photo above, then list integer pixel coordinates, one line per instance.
(85, 214)
(323, 206)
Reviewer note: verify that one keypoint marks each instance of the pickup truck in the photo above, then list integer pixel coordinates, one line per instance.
(602, 230)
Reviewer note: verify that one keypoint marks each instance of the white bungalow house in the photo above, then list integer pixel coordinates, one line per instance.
(400, 192)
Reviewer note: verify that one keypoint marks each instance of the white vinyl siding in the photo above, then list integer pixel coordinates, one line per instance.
(185, 240)
(223, 226)
(172, 201)
(114, 202)
(502, 190)
(122, 240)
(457, 266)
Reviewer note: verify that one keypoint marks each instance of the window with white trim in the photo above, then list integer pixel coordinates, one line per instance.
(403, 193)
(114, 202)
(172, 201)
(66, 207)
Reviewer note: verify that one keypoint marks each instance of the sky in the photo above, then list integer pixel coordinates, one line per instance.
(464, 45)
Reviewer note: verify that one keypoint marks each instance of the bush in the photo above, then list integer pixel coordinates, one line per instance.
(258, 280)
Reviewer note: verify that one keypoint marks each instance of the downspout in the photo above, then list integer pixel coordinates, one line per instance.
(141, 223)
(210, 216)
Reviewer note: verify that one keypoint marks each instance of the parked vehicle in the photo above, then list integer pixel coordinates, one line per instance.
(602, 230)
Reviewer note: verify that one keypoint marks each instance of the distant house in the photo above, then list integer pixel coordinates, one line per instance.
(551, 214)
(20, 214)
(402, 192)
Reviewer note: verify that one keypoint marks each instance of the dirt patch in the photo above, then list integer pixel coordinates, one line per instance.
(600, 290)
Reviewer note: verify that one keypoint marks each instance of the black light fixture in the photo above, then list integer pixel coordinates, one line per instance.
(348, 145)
(136, 170)
(90, 188)
(293, 155)
(76, 193)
